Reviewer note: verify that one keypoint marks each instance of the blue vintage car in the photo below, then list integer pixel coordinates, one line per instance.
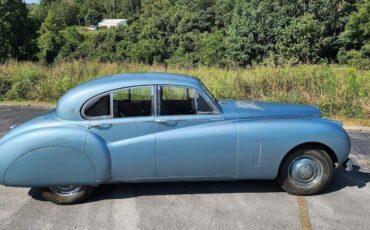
(154, 127)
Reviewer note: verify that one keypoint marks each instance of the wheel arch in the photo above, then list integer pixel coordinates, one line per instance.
(325, 147)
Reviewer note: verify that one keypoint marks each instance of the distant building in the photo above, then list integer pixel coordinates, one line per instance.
(108, 23)
(91, 28)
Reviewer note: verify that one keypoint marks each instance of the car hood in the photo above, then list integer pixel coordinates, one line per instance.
(257, 109)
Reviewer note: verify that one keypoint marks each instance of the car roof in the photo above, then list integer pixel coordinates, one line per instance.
(132, 79)
(71, 102)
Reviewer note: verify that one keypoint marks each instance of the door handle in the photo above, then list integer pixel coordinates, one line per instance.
(166, 122)
(96, 125)
(160, 121)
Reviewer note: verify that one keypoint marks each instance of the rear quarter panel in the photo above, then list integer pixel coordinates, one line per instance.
(263, 143)
(53, 156)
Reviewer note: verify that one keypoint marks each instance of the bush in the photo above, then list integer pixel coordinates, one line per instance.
(23, 85)
(354, 58)
(337, 90)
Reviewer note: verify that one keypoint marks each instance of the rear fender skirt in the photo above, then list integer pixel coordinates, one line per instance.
(51, 166)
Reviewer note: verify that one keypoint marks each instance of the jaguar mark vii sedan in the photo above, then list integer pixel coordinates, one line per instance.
(159, 127)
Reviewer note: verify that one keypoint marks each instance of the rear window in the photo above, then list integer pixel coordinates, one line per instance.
(100, 107)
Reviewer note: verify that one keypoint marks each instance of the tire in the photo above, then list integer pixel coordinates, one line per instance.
(306, 171)
(64, 195)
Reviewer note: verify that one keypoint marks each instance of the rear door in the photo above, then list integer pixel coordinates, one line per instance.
(192, 138)
(124, 120)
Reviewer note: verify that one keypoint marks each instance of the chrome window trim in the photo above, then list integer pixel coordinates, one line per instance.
(92, 100)
(155, 92)
(215, 111)
(110, 93)
(215, 108)
(214, 101)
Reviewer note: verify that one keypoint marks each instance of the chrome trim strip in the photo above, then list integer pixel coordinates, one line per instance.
(111, 104)
(124, 122)
(88, 102)
(158, 104)
(155, 91)
(82, 111)
(154, 110)
(215, 109)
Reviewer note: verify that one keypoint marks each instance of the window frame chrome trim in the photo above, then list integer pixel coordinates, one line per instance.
(155, 92)
(88, 102)
(215, 111)
(110, 93)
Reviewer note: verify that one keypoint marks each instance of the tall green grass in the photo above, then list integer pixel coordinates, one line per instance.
(337, 90)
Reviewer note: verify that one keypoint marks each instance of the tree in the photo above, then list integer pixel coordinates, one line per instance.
(209, 32)
(66, 11)
(16, 31)
(356, 38)
(72, 39)
(211, 49)
(5, 28)
(50, 40)
(255, 29)
(93, 17)
(333, 15)
(301, 40)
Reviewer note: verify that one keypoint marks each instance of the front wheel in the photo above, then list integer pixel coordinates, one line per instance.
(306, 171)
(71, 194)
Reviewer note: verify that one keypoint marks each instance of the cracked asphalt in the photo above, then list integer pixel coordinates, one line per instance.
(345, 204)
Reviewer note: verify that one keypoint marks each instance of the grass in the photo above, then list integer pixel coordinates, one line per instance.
(341, 92)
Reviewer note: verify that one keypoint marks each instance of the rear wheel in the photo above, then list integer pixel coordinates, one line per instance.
(71, 194)
(306, 171)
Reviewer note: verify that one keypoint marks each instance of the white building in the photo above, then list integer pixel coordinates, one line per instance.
(108, 23)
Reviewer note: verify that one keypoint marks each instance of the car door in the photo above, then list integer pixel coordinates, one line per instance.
(193, 139)
(124, 120)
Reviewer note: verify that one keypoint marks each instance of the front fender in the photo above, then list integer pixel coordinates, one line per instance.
(264, 143)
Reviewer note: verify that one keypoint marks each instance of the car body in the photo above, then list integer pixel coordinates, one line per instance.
(153, 127)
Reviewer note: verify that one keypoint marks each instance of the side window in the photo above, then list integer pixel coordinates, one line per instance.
(132, 102)
(182, 101)
(177, 101)
(202, 105)
(99, 107)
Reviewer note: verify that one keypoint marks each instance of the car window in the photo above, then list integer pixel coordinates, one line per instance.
(98, 107)
(176, 100)
(132, 102)
(202, 105)
(215, 101)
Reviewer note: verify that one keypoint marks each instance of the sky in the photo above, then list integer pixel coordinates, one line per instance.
(31, 1)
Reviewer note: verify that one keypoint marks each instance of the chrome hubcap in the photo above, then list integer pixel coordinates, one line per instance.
(306, 170)
(66, 190)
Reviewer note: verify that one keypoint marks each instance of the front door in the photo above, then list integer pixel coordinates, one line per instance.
(126, 125)
(193, 140)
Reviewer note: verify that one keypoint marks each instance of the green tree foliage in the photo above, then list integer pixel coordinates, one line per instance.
(71, 41)
(17, 32)
(203, 32)
(93, 17)
(356, 38)
(301, 40)
(51, 39)
(255, 29)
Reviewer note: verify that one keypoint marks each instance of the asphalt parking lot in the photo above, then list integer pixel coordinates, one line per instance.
(345, 204)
